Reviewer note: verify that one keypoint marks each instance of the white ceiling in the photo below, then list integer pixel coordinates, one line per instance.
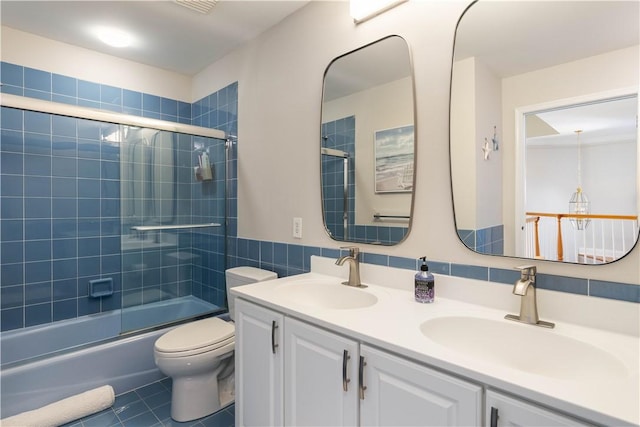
(606, 122)
(167, 35)
(516, 36)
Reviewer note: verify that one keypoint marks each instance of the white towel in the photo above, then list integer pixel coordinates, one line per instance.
(65, 410)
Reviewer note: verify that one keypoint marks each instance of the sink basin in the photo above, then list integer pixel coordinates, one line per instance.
(324, 294)
(524, 347)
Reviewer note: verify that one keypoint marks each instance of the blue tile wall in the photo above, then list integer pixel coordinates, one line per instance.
(220, 111)
(341, 135)
(49, 210)
(285, 259)
(613, 290)
(40, 84)
(488, 240)
(60, 199)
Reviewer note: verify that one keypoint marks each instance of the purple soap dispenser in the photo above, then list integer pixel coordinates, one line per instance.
(425, 283)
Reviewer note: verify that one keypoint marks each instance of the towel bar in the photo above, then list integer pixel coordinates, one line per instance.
(379, 216)
(172, 227)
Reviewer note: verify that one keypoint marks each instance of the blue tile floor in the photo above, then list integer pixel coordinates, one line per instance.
(150, 406)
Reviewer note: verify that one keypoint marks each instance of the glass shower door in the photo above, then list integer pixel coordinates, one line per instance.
(173, 221)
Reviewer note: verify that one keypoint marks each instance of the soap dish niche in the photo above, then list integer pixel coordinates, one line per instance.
(101, 287)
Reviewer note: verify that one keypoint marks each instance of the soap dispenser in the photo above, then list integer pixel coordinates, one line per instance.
(425, 283)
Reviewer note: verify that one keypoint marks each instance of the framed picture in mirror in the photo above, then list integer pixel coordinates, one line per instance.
(394, 160)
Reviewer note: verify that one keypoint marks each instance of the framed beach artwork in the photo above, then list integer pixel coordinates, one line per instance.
(394, 160)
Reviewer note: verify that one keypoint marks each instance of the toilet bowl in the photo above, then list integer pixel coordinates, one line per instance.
(193, 355)
(198, 356)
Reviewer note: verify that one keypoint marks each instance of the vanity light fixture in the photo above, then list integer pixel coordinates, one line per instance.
(579, 202)
(361, 10)
(114, 36)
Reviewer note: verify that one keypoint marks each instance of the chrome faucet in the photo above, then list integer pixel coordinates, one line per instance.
(354, 266)
(525, 288)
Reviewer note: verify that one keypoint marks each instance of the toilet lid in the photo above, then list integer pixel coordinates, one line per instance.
(194, 335)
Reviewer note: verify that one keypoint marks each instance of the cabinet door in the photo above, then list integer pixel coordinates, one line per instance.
(502, 410)
(320, 378)
(403, 393)
(258, 365)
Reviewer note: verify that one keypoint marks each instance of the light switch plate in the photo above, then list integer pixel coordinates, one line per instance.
(297, 228)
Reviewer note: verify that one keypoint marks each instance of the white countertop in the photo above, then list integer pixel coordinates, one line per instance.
(393, 323)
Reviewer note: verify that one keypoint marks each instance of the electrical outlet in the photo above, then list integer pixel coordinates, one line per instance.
(297, 228)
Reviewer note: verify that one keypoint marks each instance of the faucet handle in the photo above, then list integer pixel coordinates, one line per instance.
(353, 250)
(527, 271)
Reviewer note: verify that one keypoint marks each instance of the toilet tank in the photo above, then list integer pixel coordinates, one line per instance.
(238, 276)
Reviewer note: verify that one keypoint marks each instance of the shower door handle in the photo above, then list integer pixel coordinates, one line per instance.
(274, 326)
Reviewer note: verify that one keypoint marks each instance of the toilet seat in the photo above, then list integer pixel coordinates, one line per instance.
(197, 337)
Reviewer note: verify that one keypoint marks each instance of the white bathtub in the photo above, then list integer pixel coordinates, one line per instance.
(38, 369)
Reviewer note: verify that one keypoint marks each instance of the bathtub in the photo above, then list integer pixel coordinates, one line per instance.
(38, 368)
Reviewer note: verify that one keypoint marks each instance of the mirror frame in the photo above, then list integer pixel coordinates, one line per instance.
(415, 145)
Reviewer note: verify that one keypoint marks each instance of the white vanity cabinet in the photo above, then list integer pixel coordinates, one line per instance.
(259, 361)
(331, 380)
(371, 357)
(403, 393)
(502, 411)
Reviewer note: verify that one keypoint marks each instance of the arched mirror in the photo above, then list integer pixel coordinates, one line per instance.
(367, 147)
(543, 131)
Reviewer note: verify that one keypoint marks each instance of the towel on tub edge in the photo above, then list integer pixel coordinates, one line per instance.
(65, 410)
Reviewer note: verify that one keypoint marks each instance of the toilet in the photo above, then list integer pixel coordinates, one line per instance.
(198, 356)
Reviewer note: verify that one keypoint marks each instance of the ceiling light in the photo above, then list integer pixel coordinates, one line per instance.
(361, 10)
(114, 37)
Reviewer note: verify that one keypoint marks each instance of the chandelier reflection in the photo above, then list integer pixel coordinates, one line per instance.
(579, 202)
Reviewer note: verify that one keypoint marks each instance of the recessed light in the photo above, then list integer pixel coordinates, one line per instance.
(114, 36)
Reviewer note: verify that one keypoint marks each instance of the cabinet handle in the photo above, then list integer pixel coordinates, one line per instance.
(494, 416)
(345, 380)
(274, 326)
(362, 387)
